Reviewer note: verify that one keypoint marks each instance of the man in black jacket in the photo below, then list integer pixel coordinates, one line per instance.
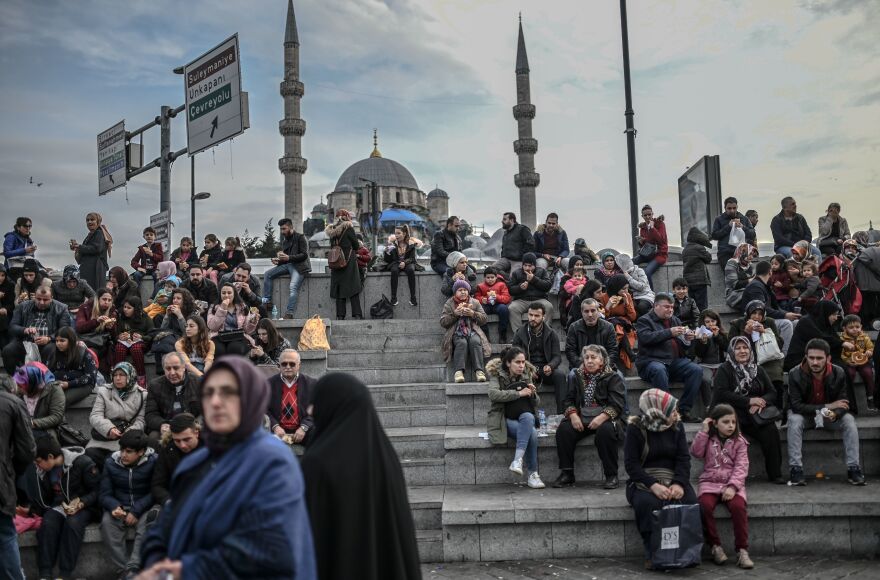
(758, 289)
(724, 224)
(663, 341)
(64, 491)
(789, 227)
(590, 329)
(249, 288)
(292, 260)
(516, 242)
(541, 344)
(173, 393)
(817, 390)
(184, 440)
(527, 286)
(34, 320)
(16, 455)
(443, 243)
(290, 393)
(201, 288)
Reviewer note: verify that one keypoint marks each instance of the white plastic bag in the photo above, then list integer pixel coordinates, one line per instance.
(32, 352)
(737, 236)
(767, 348)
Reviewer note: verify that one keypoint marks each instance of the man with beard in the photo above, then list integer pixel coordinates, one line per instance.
(516, 242)
(541, 345)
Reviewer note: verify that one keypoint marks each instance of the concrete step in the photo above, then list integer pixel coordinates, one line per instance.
(423, 471)
(426, 502)
(380, 357)
(417, 442)
(430, 543)
(472, 460)
(388, 342)
(392, 395)
(376, 375)
(509, 522)
(412, 416)
(388, 326)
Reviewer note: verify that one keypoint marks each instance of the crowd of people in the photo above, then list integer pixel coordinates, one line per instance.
(804, 312)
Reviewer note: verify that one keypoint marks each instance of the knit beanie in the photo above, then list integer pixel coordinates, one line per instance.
(30, 265)
(454, 258)
(615, 283)
(529, 258)
(461, 284)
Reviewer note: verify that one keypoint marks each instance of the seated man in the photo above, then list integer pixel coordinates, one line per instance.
(541, 345)
(528, 285)
(202, 289)
(444, 242)
(64, 491)
(290, 393)
(817, 391)
(515, 243)
(663, 342)
(759, 289)
(126, 497)
(175, 392)
(184, 439)
(36, 321)
(551, 244)
(593, 406)
(248, 288)
(71, 289)
(293, 260)
(590, 329)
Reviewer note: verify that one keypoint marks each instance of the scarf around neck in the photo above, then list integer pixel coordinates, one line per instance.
(745, 372)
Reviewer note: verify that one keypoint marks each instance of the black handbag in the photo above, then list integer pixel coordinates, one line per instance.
(768, 414)
(95, 341)
(69, 436)
(227, 336)
(648, 250)
(121, 424)
(383, 309)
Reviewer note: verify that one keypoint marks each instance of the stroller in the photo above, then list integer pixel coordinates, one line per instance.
(839, 285)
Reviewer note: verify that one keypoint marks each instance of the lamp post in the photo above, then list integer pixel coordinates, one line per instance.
(630, 133)
(193, 198)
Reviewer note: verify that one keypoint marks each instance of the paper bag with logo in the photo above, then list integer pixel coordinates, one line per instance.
(677, 537)
(314, 335)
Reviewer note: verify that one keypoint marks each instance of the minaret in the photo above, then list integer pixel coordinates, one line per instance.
(292, 128)
(525, 147)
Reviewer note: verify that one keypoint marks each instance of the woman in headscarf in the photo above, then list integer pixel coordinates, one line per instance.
(43, 397)
(237, 507)
(119, 407)
(71, 290)
(345, 283)
(657, 460)
(352, 472)
(821, 323)
(92, 253)
(745, 386)
(739, 271)
(607, 268)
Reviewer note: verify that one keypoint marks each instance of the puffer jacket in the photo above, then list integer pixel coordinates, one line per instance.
(49, 412)
(499, 395)
(14, 246)
(724, 464)
(110, 408)
(72, 297)
(695, 257)
(128, 487)
(636, 278)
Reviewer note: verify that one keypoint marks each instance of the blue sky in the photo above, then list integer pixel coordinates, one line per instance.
(786, 92)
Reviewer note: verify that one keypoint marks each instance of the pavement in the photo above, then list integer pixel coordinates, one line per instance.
(777, 567)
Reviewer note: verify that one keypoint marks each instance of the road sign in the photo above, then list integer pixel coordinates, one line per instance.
(212, 84)
(111, 158)
(161, 223)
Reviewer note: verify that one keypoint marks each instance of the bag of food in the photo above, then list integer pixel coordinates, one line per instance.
(313, 335)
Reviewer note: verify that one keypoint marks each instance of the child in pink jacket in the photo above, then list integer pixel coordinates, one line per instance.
(725, 455)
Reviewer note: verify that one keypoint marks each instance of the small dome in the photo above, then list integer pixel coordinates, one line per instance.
(321, 207)
(343, 188)
(437, 193)
(385, 172)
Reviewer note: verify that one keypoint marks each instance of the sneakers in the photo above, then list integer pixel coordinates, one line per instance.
(718, 555)
(458, 377)
(743, 560)
(394, 301)
(872, 406)
(796, 477)
(611, 482)
(854, 476)
(565, 479)
(412, 301)
(517, 466)
(535, 481)
(481, 376)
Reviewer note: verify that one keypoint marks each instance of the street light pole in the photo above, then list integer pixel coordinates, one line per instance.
(192, 196)
(630, 134)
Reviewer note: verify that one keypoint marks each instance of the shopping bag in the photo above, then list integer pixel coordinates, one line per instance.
(737, 236)
(313, 335)
(31, 352)
(767, 347)
(382, 309)
(676, 537)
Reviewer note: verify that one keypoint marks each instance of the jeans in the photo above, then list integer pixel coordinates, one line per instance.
(464, 346)
(114, 533)
(786, 251)
(542, 263)
(526, 436)
(10, 560)
(796, 425)
(296, 281)
(681, 369)
(700, 294)
(651, 266)
(503, 316)
(786, 331)
(59, 539)
(410, 272)
(439, 267)
(137, 276)
(559, 380)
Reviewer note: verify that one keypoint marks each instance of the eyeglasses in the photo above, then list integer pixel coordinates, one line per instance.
(27, 226)
(288, 364)
(225, 393)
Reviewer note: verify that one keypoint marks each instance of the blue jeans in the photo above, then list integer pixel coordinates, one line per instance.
(681, 369)
(786, 251)
(526, 436)
(439, 267)
(296, 281)
(10, 561)
(651, 266)
(503, 315)
(137, 276)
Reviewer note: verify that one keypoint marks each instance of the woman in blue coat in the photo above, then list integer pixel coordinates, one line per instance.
(237, 507)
